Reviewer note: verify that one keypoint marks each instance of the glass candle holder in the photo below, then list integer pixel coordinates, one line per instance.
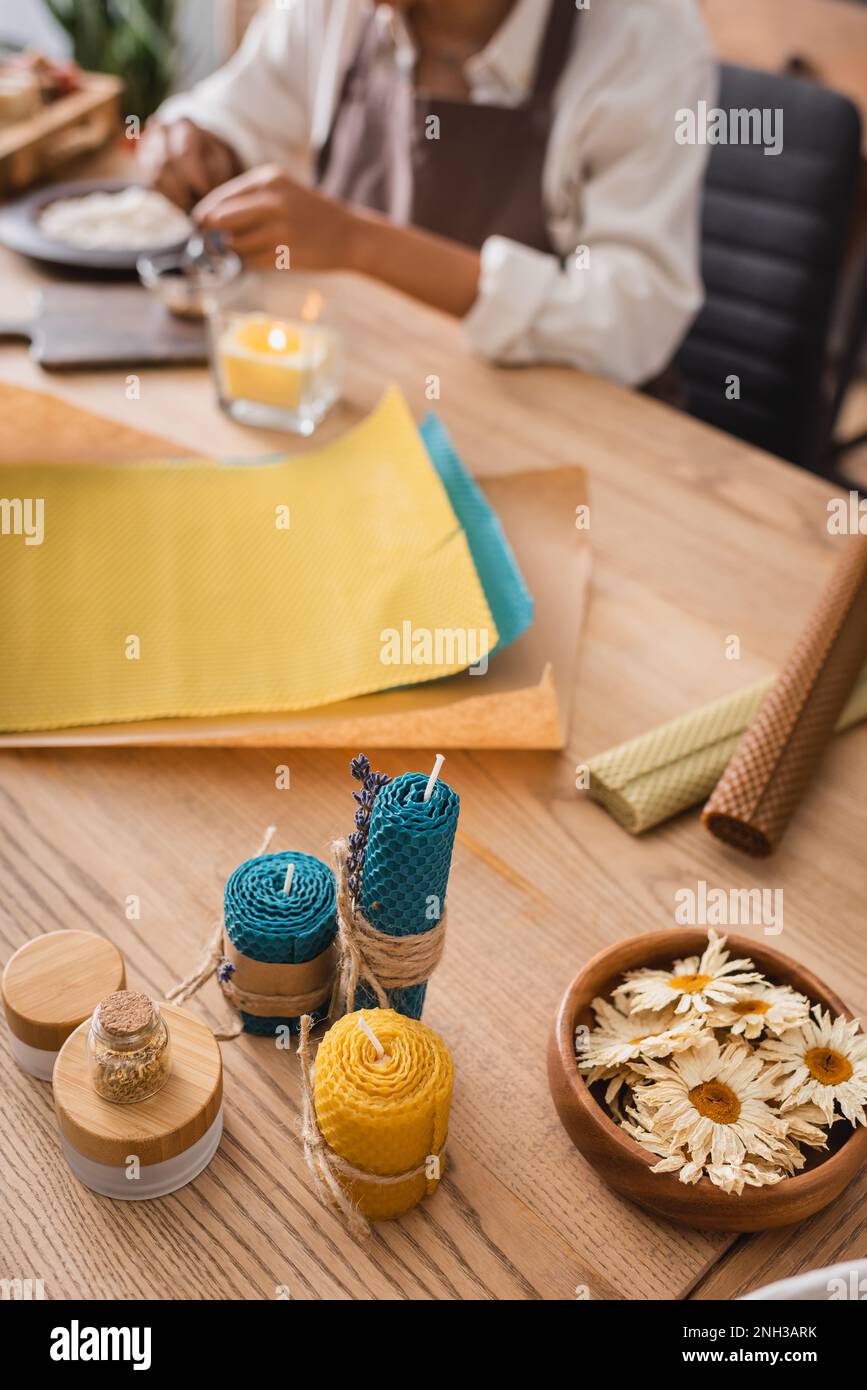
(128, 1046)
(277, 357)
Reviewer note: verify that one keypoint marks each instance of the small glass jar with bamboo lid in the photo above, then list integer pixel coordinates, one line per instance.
(129, 1047)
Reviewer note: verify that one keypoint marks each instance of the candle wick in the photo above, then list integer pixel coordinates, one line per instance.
(369, 1033)
(431, 781)
(287, 882)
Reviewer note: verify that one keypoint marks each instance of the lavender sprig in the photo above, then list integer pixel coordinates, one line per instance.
(371, 782)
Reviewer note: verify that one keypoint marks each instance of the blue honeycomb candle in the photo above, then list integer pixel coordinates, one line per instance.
(406, 869)
(268, 925)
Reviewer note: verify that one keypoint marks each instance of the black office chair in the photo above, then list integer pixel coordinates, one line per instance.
(773, 233)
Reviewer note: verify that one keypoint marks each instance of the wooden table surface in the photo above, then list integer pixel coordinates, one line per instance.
(696, 538)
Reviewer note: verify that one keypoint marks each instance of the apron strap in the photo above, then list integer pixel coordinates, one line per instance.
(556, 46)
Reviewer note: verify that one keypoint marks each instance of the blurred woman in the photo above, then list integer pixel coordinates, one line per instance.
(510, 161)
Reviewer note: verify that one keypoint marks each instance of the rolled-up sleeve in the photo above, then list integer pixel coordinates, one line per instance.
(622, 296)
(258, 102)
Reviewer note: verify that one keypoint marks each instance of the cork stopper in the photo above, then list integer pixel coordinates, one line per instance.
(125, 1013)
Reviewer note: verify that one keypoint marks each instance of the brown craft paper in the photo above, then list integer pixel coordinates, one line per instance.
(759, 790)
(289, 980)
(523, 701)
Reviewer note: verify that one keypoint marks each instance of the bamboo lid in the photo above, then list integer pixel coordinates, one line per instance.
(54, 982)
(161, 1127)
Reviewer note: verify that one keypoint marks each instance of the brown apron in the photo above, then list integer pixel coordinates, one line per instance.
(481, 177)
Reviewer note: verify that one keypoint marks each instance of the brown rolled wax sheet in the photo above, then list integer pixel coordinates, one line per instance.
(766, 777)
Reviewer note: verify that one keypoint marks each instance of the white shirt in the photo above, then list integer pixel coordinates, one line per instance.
(614, 180)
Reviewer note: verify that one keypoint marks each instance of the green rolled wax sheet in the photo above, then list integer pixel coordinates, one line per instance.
(677, 765)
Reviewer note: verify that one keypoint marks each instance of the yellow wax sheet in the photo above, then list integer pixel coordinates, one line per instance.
(177, 589)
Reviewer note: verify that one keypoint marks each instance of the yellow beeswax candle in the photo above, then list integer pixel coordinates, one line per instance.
(268, 360)
(386, 1115)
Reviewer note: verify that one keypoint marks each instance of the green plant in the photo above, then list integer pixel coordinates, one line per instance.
(131, 38)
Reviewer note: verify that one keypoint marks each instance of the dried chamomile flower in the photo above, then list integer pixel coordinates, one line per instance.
(622, 1037)
(825, 1062)
(804, 1124)
(731, 1177)
(694, 985)
(713, 1103)
(767, 1008)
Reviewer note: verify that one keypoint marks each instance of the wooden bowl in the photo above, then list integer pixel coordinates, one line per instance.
(625, 1165)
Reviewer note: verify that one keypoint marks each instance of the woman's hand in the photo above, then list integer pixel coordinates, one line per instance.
(265, 209)
(184, 162)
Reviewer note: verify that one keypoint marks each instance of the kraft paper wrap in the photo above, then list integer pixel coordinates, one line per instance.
(291, 989)
(762, 785)
(524, 701)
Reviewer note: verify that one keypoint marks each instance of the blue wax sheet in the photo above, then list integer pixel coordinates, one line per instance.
(509, 599)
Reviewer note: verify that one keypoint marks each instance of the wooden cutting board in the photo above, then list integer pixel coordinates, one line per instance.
(78, 326)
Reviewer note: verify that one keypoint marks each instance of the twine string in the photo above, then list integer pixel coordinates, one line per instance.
(373, 957)
(326, 1166)
(211, 955)
(288, 1005)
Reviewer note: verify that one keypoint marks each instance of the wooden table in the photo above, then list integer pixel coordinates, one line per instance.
(695, 538)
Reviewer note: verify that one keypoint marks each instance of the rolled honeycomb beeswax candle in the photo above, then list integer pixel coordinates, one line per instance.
(406, 868)
(386, 1115)
(264, 923)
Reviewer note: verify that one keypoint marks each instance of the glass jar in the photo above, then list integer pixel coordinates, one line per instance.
(276, 354)
(129, 1047)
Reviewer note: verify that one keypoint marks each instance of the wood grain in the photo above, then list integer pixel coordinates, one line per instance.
(695, 538)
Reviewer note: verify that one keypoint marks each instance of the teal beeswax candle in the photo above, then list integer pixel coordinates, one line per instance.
(265, 923)
(406, 869)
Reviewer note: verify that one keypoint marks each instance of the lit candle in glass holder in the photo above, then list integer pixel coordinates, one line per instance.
(277, 362)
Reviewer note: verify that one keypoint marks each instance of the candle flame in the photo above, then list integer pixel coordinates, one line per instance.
(277, 339)
(312, 307)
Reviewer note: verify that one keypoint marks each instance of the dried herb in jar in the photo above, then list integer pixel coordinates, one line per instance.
(129, 1048)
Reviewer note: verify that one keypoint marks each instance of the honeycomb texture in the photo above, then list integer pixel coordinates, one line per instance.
(386, 1115)
(409, 854)
(265, 923)
(233, 612)
(759, 790)
(677, 765)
